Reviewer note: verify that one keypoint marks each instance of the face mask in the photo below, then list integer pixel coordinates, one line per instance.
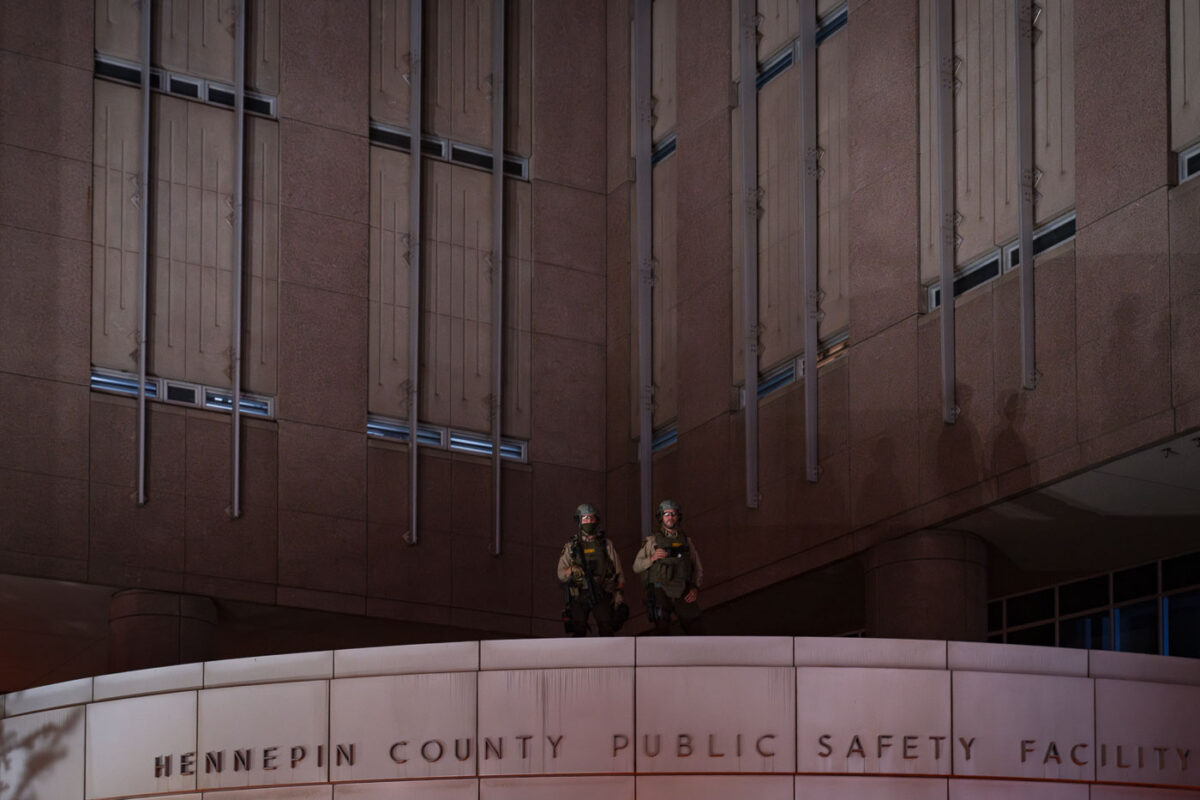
(588, 527)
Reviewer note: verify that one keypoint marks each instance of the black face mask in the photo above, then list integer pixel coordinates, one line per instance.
(588, 527)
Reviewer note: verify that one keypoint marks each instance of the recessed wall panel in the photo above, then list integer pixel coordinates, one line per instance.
(116, 224)
(540, 721)
(745, 724)
(1023, 726)
(267, 735)
(42, 754)
(388, 283)
(1185, 73)
(193, 159)
(132, 742)
(780, 273)
(1054, 110)
(665, 292)
(760, 787)
(196, 37)
(410, 726)
(1147, 733)
(1015, 790)
(590, 788)
(852, 720)
(409, 790)
(260, 266)
(662, 60)
(833, 187)
(826, 787)
(391, 56)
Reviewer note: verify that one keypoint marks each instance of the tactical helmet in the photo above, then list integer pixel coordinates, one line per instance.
(669, 505)
(584, 509)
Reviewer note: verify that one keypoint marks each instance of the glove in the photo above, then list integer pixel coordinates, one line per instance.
(618, 598)
(577, 574)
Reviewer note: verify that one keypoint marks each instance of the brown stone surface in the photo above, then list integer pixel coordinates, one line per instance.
(45, 106)
(45, 305)
(113, 444)
(242, 549)
(323, 252)
(883, 382)
(1122, 116)
(567, 303)
(704, 351)
(136, 546)
(883, 475)
(323, 368)
(957, 455)
(555, 493)
(44, 515)
(568, 404)
(702, 64)
(497, 584)
(883, 253)
(1183, 207)
(883, 121)
(1123, 323)
(569, 93)
(327, 85)
(568, 227)
(322, 471)
(419, 573)
(45, 193)
(44, 427)
(706, 459)
(322, 553)
(619, 94)
(209, 454)
(321, 601)
(326, 172)
(56, 30)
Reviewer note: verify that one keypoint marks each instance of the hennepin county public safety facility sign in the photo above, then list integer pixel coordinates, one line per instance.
(621, 718)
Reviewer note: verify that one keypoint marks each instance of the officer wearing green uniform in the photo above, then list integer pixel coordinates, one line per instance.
(670, 568)
(591, 571)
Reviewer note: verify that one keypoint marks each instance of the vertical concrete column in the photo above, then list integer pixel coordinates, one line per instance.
(928, 585)
(156, 629)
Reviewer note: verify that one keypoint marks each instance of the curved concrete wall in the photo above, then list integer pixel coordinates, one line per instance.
(621, 718)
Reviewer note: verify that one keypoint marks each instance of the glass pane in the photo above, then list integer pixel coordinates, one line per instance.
(1083, 595)
(995, 615)
(1091, 632)
(1137, 627)
(1183, 624)
(1030, 607)
(1040, 634)
(1181, 572)
(1133, 583)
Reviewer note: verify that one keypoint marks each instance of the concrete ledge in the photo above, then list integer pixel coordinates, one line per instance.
(268, 669)
(406, 659)
(148, 681)
(1139, 667)
(1024, 658)
(55, 695)
(836, 651)
(715, 651)
(554, 653)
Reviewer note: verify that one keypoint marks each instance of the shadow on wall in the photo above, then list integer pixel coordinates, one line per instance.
(34, 754)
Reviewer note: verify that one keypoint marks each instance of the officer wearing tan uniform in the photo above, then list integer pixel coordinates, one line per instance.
(591, 571)
(670, 569)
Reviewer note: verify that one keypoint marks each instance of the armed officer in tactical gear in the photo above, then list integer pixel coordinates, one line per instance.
(670, 568)
(591, 572)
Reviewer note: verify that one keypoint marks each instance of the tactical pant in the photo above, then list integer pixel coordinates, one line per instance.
(602, 612)
(662, 606)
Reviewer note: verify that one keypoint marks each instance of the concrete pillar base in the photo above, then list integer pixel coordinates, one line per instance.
(928, 585)
(156, 629)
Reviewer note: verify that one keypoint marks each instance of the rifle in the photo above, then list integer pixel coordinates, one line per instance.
(588, 579)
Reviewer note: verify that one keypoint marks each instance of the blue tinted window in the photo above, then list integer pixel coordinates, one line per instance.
(1181, 625)
(1137, 627)
(1090, 633)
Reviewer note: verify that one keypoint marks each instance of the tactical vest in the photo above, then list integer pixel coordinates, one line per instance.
(593, 557)
(673, 573)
